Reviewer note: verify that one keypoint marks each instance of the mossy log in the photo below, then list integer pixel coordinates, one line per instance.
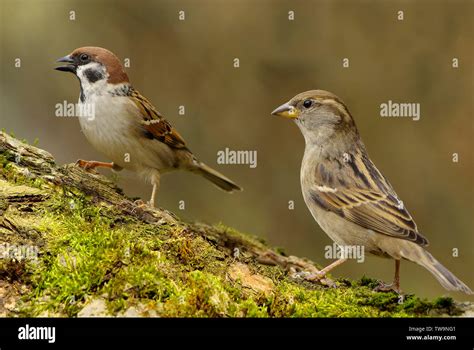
(72, 244)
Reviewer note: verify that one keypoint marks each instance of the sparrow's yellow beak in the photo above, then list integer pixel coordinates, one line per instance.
(287, 111)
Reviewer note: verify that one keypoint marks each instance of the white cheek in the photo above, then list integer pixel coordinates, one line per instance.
(90, 89)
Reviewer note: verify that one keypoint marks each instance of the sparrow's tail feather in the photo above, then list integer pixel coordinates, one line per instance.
(216, 178)
(441, 273)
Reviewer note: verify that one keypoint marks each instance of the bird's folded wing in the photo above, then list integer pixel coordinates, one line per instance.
(155, 125)
(372, 203)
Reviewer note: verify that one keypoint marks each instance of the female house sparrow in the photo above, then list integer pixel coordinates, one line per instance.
(126, 127)
(348, 196)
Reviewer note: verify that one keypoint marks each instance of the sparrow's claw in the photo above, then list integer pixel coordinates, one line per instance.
(91, 165)
(315, 276)
(140, 203)
(296, 267)
(383, 287)
(84, 164)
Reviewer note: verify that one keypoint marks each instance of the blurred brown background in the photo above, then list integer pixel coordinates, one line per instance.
(191, 63)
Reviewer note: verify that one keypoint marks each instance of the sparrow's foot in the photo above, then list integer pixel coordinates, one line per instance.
(315, 276)
(384, 287)
(395, 286)
(297, 268)
(91, 164)
(140, 203)
(138, 206)
(318, 275)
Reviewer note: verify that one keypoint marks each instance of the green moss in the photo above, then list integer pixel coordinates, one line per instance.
(367, 282)
(389, 302)
(3, 160)
(443, 302)
(445, 305)
(294, 301)
(10, 172)
(416, 305)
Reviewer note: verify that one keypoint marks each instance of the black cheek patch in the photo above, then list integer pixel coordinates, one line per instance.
(93, 75)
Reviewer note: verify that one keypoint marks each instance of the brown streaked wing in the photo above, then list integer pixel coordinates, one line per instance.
(365, 198)
(155, 124)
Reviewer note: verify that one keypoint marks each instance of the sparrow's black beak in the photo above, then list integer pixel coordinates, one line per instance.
(70, 67)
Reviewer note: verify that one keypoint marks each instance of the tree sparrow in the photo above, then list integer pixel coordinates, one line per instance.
(126, 127)
(348, 196)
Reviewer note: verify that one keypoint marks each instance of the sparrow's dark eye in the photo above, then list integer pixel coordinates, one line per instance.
(307, 103)
(84, 57)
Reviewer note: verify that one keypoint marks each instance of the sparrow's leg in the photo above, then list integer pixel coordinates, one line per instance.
(396, 279)
(323, 272)
(155, 181)
(91, 164)
(395, 286)
(295, 266)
